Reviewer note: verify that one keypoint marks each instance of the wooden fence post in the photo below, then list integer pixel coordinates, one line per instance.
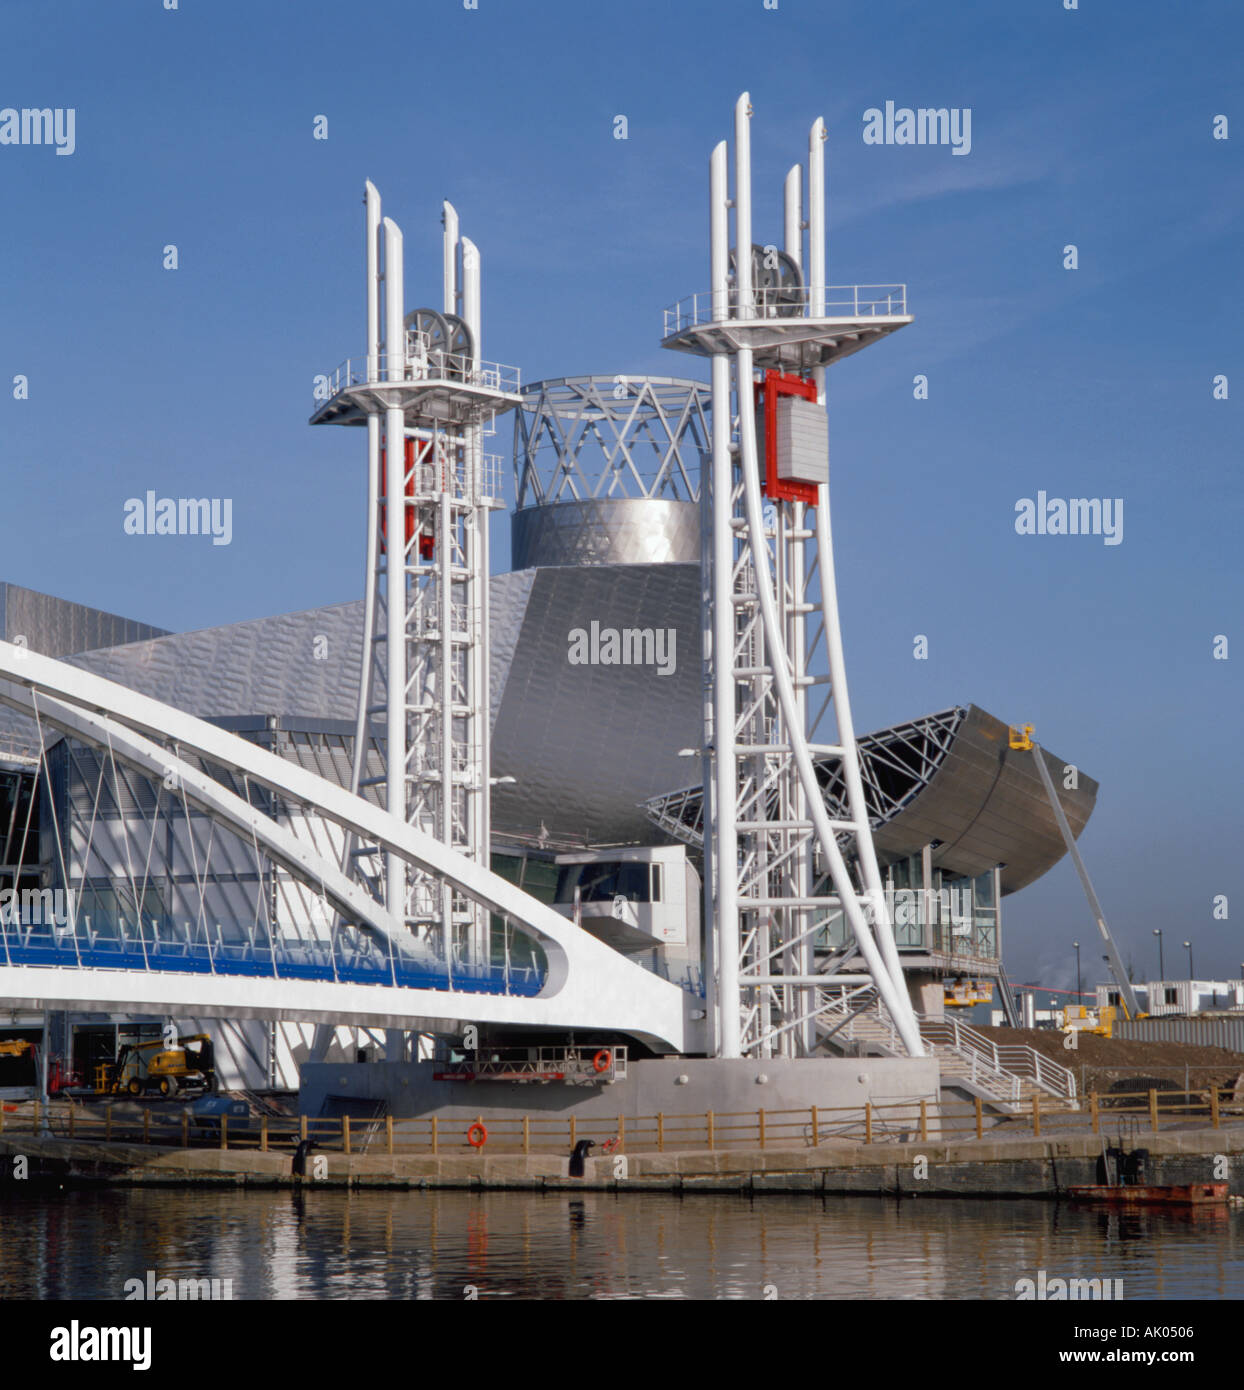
(816, 1129)
(224, 1131)
(868, 1122)
(302, 1126)
(1095, 1112)
(1036, 1114)
(1153, 1108)
(435, 1137)
(710, 1133)
(263, 1134)
(388, 1135)
(924, 1120)
(980, 1118)
(621, 1130)
(760, 1127)
(573, 1133)
(1213, 1106)
(660, 1133)
(345, 1134)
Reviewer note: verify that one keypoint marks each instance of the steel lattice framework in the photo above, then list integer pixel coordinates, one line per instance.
(610, 437)
(770, 587)
(896, 764)
(430, 491)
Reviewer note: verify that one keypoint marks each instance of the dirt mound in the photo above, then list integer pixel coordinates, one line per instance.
(1117, 1053)
(1111, 1065)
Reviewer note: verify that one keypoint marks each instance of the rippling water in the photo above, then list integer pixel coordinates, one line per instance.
(413, 1245)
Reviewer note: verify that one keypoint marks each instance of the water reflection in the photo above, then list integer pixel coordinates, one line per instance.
(454, 1245)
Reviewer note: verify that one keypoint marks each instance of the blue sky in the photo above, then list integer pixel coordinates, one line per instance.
(1090, 127)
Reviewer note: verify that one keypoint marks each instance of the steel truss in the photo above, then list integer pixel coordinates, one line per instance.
(423, 697)
(610, 437)
(770, 585)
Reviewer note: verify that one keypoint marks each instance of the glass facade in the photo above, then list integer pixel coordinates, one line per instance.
(958, 916)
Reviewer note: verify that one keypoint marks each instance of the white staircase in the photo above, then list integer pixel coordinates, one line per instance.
(1006, 1076)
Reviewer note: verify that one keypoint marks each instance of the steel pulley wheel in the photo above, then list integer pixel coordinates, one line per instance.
(437, 334)
(776, 280)
(461, 346)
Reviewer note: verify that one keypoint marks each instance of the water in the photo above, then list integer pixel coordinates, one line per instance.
(443, 1245)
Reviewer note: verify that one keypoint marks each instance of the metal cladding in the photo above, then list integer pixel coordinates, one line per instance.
(587, 742)
(56, 627)
(950, 780)
(986, 805)
(624, 531)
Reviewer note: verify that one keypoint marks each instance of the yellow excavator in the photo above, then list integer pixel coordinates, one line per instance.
(140, 1067)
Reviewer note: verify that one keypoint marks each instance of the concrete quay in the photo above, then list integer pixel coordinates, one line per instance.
(1018, 1167)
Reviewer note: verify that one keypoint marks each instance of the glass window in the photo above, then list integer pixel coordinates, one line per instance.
(601, 883)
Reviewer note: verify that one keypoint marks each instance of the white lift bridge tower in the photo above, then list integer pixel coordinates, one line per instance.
(427, 400)
(777, 867)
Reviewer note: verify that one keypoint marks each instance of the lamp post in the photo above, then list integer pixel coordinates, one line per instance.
(1157, 931)
(1076, 944)
(1188, 948)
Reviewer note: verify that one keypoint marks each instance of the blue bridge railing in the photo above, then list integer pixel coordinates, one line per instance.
(254, 953)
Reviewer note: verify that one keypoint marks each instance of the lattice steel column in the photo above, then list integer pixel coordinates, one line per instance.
(431, 491)
(769, 337)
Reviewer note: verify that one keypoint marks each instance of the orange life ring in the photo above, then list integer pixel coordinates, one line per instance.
(477, 1136)
(602, 1061)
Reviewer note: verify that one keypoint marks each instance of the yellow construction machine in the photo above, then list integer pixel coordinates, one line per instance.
(154, 1066)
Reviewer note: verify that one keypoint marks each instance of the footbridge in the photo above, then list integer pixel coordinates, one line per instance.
(202, 874)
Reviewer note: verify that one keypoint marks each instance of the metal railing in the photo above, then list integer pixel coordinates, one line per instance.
(164, 946)
(1002, 1069)
(802, 1127)
(785, 302)
(449, 367)
(989, 1059)
(18, 750)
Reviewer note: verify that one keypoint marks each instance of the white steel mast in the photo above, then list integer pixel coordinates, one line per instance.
(423, 697)
(781, 868)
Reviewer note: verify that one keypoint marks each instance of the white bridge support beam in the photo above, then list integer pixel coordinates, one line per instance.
(588, 985)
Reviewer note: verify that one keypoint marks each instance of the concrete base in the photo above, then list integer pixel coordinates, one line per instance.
(658, 1086)
(969, 1168)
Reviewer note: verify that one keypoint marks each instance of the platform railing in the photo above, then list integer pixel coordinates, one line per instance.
(163, 946)
(785, 302)
(169, 1124)
(448, 367)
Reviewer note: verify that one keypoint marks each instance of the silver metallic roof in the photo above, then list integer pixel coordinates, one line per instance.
(950, 780)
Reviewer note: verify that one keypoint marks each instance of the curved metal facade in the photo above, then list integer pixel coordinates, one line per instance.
(587, 743)
(623, 531)
(950, 780)
(984, 801)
